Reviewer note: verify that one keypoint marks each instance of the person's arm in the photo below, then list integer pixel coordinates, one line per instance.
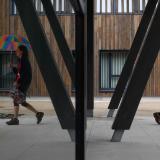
(22, 72)
(15, 70)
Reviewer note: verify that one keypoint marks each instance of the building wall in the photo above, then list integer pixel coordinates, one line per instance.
(117, 32)
(111, 32)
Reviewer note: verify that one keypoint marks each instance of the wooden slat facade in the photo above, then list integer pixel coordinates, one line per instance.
(111, 32)
(117, 32)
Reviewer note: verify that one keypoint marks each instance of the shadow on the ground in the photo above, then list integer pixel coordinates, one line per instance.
(7, 116)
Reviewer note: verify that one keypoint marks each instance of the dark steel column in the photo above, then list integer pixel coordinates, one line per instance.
(90, 57)
(60, 99)
(127, 69)
(141, 72)
(60, 38)
(81, 93)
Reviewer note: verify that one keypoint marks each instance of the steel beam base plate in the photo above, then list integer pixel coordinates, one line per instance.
(110, 113)
(117, 135)
(72, 134)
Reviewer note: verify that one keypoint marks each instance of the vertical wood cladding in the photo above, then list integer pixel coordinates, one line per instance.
(111, 32)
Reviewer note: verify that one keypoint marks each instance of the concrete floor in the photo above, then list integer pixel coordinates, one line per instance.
(48, 141)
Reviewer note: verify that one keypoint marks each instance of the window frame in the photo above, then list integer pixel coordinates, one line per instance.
(59, 13)
(110, 53)
(62, 12)
(115, 9)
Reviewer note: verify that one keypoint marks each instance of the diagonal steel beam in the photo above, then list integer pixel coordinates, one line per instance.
(36, 35)
(141, 72)
(60, 38)
(128, 66)
(78, 6)
(82, 4)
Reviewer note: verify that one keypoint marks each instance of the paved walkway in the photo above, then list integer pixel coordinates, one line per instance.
(147, 105)
(48, 141)
(29, 141)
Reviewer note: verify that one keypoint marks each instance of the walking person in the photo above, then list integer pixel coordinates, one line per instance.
(22, 82)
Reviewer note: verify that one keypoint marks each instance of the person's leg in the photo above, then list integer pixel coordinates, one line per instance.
(14, 120)
(16, 111)
(39, 115)
(29, 107)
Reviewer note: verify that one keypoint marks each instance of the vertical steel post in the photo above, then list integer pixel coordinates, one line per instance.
(90, 57)
(81, 85)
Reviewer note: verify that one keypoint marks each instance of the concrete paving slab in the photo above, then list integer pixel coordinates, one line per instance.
(147, 106)
(30, 141)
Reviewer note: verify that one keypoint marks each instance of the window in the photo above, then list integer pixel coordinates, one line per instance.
(60, 6)
(120, 6)
(101, 6)
(111, 64)
(6, 75)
